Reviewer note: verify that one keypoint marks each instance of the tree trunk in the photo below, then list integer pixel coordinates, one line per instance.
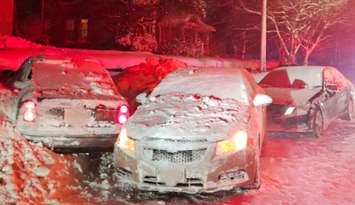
(288, 59)
(306, 58)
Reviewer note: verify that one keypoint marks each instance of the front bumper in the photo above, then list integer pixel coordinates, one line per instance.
(72, 138)
(205, 174)
(77, 143)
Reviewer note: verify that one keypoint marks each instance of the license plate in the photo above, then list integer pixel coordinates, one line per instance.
(171, 176)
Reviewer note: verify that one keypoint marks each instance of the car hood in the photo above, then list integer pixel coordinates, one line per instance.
(187, 118)
(289, 96)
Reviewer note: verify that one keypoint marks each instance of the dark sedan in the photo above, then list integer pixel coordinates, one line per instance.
(307, 98)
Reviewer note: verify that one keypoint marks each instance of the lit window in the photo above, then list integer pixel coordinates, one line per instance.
(84, 26)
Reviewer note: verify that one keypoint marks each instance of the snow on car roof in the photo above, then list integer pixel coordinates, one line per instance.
(75, 78)
(224, 83)
(311, 75)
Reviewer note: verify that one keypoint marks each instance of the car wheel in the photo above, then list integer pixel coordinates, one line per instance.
(318, 123)
(349, 111)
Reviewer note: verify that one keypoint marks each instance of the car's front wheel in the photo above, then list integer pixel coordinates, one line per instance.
(318, 123)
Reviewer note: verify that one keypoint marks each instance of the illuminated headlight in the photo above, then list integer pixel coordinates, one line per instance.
(235, 144)
(289, 110)
(125, 143)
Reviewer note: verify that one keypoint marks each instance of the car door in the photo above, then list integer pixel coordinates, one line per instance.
(332, 95)
(342, 91)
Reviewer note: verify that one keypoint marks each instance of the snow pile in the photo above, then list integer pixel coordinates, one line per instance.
(30, 173)
(144, 77)
(253, 65)
(15, 42)
(18, 49)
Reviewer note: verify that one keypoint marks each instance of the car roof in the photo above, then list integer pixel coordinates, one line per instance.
(308, 68)
(223, 83)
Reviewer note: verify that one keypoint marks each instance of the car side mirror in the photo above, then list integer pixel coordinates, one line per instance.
(262, 100)
(298, 84)
(142, 98)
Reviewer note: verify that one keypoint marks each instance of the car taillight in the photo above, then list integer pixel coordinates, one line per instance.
(124, 109)
(29, 113)
(122, 119)
(123, 114)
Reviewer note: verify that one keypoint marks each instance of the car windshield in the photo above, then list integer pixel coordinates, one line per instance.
(293, 78)
(88, 80)
(220, 83)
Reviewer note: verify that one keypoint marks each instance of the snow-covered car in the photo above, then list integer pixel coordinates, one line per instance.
(307, 98)
(200, 130)
(63, 103)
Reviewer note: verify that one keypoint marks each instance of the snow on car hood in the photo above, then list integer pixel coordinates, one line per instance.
(289, 96)
(187, 117)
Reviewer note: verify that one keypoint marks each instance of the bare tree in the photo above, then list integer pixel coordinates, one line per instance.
(300, 26)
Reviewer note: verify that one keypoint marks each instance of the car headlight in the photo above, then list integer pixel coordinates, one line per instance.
(235, 144)
(125, 143)
(289, 110)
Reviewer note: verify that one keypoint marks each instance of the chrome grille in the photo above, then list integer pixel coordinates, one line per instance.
(180, 157)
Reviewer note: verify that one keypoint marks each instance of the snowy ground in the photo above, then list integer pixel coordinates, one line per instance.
(295, 170)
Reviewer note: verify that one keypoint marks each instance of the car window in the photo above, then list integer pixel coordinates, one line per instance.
(339, 79)
(328, 77)
(333, 77)
(277, 78)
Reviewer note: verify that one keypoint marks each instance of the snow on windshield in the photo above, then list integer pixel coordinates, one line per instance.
(223, 83)
(74, 80)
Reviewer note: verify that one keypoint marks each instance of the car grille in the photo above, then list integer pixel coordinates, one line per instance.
(180, 157)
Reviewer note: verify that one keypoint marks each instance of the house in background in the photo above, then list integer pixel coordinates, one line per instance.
(188, 32)
(6, 17)
(99, 24)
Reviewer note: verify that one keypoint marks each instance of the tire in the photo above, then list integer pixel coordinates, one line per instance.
(318, 123)
(349, 111)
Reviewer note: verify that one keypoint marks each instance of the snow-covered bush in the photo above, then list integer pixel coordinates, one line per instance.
(140, 42)
(180, 47)
(145, 2)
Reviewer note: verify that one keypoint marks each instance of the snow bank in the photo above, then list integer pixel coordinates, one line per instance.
(14, 50)
(144, 77)
(30, 173)
(15, 42)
